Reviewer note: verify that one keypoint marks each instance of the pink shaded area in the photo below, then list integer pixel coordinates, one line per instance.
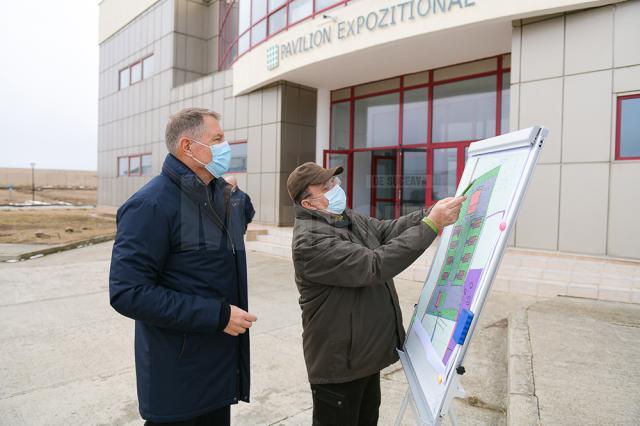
(470, 287)
(503, 226)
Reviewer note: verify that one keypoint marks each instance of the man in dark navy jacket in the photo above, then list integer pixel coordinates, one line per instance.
(179, 269)
(239, 196)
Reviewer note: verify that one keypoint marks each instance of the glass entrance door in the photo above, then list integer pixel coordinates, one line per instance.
(414, 180)
(383, 185)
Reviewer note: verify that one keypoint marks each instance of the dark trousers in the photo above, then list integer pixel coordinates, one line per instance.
(347, 404)
(220, 417)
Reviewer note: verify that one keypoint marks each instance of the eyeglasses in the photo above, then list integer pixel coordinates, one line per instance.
(328, 185)
(335, 180)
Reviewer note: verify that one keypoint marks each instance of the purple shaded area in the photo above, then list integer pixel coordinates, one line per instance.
(470, 287)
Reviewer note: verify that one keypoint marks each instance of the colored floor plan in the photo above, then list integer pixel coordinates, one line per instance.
(457, 283)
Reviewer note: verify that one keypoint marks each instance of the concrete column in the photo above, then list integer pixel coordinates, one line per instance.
(323, 122)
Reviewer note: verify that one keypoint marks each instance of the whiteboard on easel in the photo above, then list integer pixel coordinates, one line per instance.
(495, 178)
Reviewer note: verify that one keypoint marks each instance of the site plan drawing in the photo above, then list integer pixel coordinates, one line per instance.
(456, 283)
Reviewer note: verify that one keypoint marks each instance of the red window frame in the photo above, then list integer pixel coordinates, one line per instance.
(619, 101)
(128, 67)
(224, 61)
(129, 157)
(238, 142)
(429, 146)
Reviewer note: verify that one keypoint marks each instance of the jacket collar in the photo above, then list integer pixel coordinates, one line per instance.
(339, 221)
(186, 179)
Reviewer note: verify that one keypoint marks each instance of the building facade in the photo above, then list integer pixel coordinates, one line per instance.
(394, 91)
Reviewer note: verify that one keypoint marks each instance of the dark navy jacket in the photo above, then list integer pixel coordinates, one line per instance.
(178, 259)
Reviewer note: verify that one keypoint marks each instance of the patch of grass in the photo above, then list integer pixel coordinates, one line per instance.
(53, 226)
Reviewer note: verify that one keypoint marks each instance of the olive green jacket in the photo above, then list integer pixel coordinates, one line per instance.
(344, 269)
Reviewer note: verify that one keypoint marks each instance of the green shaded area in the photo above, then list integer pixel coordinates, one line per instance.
(466, 231)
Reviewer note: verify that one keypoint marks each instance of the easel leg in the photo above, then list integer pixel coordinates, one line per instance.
(403, 407)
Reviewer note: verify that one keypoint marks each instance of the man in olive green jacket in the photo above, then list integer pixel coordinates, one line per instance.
(344, 267)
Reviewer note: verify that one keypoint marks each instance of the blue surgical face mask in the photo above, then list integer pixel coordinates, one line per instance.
(337, 200)
(220, 158)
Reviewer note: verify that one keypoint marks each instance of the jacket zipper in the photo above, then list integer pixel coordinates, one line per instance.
(224, 227)
(184, 344)
(350, 341)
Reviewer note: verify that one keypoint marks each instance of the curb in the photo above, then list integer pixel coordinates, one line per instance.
(522, 405)
(63, 247)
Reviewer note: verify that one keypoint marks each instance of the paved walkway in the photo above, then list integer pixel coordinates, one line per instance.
(67, 357)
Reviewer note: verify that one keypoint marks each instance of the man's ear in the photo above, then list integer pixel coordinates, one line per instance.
(306, 204)
(184, 145)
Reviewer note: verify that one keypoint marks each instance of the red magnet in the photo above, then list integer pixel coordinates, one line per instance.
(503, 226)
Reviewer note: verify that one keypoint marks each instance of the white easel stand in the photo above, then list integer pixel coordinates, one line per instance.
(447, 409)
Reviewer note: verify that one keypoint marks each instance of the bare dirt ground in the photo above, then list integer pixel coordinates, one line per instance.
(53, 226)
(74, 196)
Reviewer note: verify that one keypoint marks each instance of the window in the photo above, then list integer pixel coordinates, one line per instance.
(124, 78)
(247, 23)
(376, 121)
(464, 110)
(407, 140)
(123, 166)
(340, 125)
(415, 116)
(134, 165)
(238, 157)
(147, 67)
(300, 9)
(628, 128)
(146, 164)
(136, 72)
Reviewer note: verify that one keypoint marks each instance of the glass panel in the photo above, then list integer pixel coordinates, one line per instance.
(340, 125)
(136, 73)
(385, 176)
(299, 9)
(385, 210)
(384, 183)
(146, 164)
(444, 173)
(414, 179)
(238, 157)
(245, 15)
(323, 4)
(362, 182)
(124, 78)
(277, 21)
(336, 160)
(506, 102)
(274, 4)
(259, 32)
(376, 121)
(123, 166)
(415, 115)
(464, 110)
(243, 43)
(134, 165)
(147, 67)
(630, 128)
(258, 10)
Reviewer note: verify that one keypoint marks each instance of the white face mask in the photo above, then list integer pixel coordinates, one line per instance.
(337, 200)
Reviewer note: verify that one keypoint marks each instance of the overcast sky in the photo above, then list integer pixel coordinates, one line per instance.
(49, 84)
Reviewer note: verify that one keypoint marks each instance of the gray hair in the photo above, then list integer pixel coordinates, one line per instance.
(186, 122)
